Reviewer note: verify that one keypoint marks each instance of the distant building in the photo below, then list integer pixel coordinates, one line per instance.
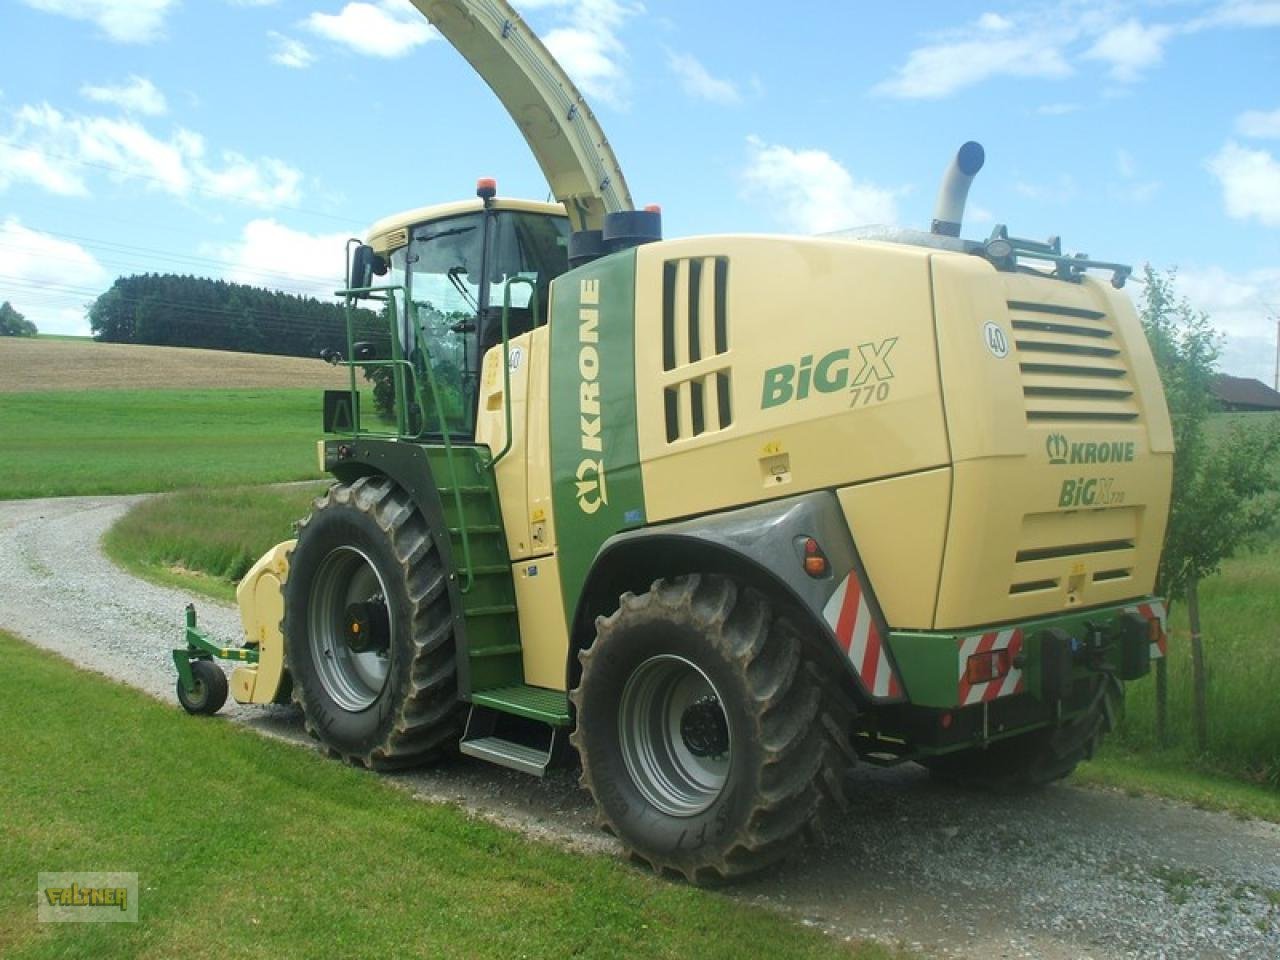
(1244, 393)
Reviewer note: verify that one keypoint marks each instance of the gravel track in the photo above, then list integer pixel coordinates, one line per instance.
(1064, 874)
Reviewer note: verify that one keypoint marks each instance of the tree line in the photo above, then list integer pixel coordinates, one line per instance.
(185, 311)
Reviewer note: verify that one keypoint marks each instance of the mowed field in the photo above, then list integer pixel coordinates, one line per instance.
(91, 418)
(44, 364)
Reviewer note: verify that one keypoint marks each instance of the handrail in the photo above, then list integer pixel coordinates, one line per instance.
(398, 363)
(506, 353)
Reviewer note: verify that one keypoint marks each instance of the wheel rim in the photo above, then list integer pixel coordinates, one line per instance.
(675, 736)
(346, 578)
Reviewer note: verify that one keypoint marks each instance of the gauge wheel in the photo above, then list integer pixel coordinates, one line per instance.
(708, 741)
(368, 629)
(210, 691)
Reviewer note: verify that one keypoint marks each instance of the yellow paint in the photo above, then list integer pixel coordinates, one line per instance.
(787, 298)
(261, 605)
(389, 232)
(491, 429)
(543, 632)
(901, 526)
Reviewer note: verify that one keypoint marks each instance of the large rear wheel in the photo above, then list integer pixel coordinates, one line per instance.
(368, 629)
(709, 743)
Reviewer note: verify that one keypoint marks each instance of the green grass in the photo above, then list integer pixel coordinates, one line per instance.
(1168, 774)
(100, 442)
(1240, 618)
(206, 540)
(63, 336)
(247, 847)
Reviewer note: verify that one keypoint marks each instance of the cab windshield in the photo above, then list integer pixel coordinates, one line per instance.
(456, 292)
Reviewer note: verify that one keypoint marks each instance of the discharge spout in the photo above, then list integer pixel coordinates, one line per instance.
(948, 214)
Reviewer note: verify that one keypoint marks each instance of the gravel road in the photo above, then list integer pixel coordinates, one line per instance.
(1063, 875)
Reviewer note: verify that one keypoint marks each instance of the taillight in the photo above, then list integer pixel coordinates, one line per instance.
(985, 667)
(815, 561)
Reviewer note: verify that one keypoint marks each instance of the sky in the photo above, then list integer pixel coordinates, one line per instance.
(248, 139)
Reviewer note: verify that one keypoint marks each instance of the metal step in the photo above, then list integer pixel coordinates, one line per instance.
(479, 741)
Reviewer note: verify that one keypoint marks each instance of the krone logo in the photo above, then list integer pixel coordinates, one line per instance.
(592, 491)
(1056, 445)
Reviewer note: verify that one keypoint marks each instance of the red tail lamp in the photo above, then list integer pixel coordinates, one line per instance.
(815, 561)
(988, 666)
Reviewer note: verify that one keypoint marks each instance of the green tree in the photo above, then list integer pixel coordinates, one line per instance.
(1223, 484)
(14, 324)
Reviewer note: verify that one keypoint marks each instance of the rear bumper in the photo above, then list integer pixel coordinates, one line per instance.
(1037, 659)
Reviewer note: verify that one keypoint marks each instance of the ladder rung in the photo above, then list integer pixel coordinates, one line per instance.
(490, 611)
(478, 528)
(502, 651)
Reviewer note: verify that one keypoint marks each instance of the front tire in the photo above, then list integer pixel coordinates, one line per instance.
(706, 738)
(368, 629)
(210, 691)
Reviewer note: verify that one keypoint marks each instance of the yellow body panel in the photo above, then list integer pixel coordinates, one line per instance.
(391, 232)
(491, 429)
(545, 636)
(261, 600)
(787, 299)
(901, 529)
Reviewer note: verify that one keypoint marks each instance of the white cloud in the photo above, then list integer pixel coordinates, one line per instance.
(273, 255)
(1244, 307)
(698, 82)
(1250, 182)
(812, 192)
(1259, 124)
(39, 269)
(388, 28)
(137, 95)
(587, 44)
(1240, 13)
(989, 47)
(124, 21)
(58, 151)
(290, 52)
(1130, 48)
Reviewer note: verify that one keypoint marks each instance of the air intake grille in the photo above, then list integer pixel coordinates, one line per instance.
(1073, 370)
(695, 346)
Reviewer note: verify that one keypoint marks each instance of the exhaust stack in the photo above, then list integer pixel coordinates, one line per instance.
(948, 214)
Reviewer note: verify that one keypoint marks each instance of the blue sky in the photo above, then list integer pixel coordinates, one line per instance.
(248, 138)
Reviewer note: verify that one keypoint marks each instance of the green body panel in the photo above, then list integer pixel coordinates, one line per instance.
(928, 663)
(597, 489)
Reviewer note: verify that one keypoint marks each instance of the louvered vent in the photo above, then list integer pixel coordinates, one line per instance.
(695, 346)
(1103, 541)
(1073, 370)
(397, 239)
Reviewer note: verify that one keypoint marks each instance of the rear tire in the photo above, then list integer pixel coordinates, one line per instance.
(1031, 760)
(706, 738)
(368, 629)
(210, 691)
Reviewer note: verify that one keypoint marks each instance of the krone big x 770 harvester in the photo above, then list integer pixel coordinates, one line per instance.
(727, 512)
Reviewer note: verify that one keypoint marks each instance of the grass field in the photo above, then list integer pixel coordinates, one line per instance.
(206, 540)
(129, 441)
(1240, 614)
(246, 847)
(73, 363)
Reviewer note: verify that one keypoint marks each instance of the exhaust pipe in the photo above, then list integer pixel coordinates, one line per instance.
(948, 214)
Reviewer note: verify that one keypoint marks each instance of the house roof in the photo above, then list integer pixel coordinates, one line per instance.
(1246, 391)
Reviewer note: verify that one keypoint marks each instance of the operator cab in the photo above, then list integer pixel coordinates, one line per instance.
(458, 263)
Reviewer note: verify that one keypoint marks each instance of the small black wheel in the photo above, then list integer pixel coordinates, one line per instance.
(368, 629)
(708, 740)
(210, 691)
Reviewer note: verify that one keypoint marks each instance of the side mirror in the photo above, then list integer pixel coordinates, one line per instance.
(365, 264)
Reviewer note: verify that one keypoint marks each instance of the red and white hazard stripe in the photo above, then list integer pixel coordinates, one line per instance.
(1154, 611)
(860, 639)
(1011, 683)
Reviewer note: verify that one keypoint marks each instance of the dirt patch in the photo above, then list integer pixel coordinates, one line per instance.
(39, 365)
